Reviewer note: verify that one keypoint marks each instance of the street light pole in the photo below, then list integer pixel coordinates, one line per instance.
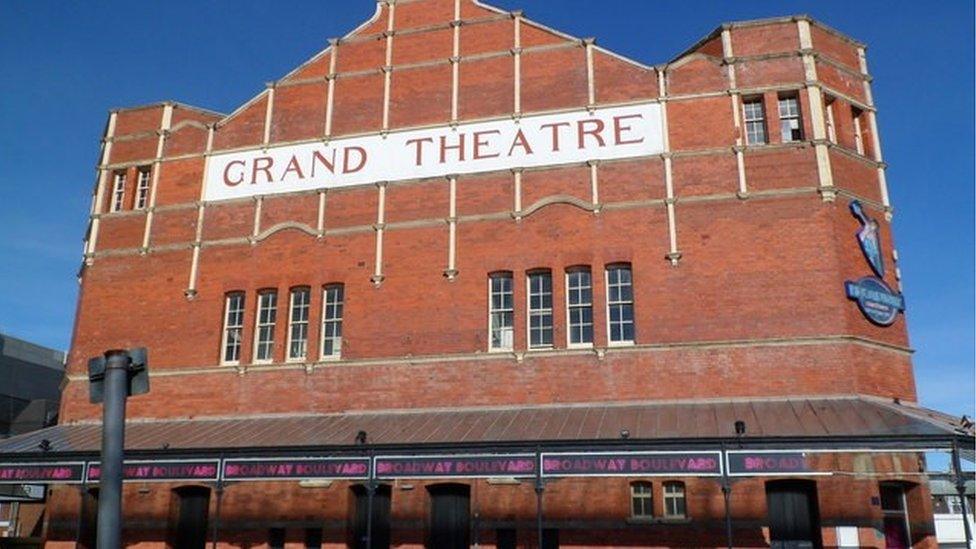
(113, 440)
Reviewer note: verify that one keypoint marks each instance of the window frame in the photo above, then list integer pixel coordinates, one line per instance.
(666, 497)
(258, 324)
(570, 307)
(609, 304)
(746, 120)
(225, 332)
(529, 311)
(858, 130)
(338, 320)
(292, 323)
(647, 499)
(830, 122)
(500, 275)
(793, 97)
(117, 200)
(143, 186)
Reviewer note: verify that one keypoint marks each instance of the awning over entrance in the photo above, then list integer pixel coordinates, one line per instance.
(814, 422)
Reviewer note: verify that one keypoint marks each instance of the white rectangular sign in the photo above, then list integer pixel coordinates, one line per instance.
(540, 140)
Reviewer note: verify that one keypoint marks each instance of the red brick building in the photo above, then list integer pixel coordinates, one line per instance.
(456, 230)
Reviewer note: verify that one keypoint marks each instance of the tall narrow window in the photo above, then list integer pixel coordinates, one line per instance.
(276, 538)
(790, 127)
(233, 328)
(675, 505)
(118, 192)
(755, 118)
(359, 513)
(332, 321)
(540, 310)
(298, 324)
(620, 304)
(449, 522)
(894, 507)
(188, 517)
(501, 310)
(831, 125)
(641, 499)
(142, 189)
(858, 131)
(579, 306)
(264, 330)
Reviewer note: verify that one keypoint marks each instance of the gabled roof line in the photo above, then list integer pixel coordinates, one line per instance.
(165, 103)
(238, 110)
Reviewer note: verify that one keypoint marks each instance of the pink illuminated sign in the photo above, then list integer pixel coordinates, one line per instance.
(296, 468)
(146, 471)
(22, 473)
(631, 464)
(460, 466)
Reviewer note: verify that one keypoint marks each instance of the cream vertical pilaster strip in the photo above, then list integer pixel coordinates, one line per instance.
(517, 55)
(673, 254)
(103, 176)
(826, 179)
(590, 83)
(594, 184)
(164, 125)
(258, 203)
(377, 277)
(268, 113)
(875, 138)
(191, 290)
(451, 272)
(740, 162)
(320, 224)
(456, 62)
(331, 77)
(388, 66)
(517, 206)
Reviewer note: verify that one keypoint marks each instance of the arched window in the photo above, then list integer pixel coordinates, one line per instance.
(501, 311)
(230, 344)
(641, 499)
(620, 304)
(675, 505)
(332, 300)
(579, 306)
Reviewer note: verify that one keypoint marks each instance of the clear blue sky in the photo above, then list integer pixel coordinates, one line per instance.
(64, 64)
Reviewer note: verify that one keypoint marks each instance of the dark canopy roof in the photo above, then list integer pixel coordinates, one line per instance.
(843, 421)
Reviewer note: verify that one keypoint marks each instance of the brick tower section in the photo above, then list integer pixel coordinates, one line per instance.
(739, 251)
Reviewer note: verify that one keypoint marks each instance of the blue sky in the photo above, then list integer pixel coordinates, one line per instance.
(66, 63)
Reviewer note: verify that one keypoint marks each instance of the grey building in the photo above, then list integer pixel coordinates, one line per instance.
(30, 393)
(30, 385)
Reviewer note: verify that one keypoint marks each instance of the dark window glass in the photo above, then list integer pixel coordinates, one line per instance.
(380, 532)
(276, 538)
(794, 520)
(450, 515)
(506, 538)
(88, 527)
(313, 538)
(188, 521)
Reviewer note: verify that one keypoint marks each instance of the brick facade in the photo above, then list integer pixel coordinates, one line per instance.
(739, 251)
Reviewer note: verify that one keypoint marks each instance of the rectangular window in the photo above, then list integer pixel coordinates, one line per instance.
(620, 304)
(142, 189)
(264, 330)
(233, 328)
(579, 307)
(858, 132)
(642, 499)
(332, 321)
(831, 125)
(501, 311)
(674, 500)
(540, 310)
(298, 324)
(118, 192)
(790, 127)
(755, 119)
